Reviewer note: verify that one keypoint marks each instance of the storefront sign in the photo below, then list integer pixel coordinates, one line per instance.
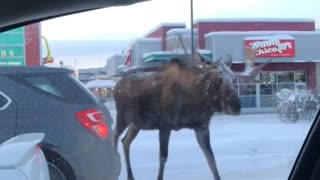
(272, 46)
(12, 47)
(127, 57)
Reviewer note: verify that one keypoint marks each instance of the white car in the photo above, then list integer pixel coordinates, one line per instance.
(22, 159)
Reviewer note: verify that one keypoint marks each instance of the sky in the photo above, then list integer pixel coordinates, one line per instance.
(116, 27)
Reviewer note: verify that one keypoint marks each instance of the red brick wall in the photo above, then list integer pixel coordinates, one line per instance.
(206, 27)
(32, 43)
(157, 33)
(161, 33)
(309, 68)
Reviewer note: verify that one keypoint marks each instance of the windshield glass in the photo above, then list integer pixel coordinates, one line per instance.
(229, 91)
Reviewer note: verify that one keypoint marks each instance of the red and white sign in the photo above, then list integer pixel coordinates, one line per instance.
(128, 57)
(272, 46)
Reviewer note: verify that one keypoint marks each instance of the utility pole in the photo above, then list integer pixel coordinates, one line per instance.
(191, 26)
(75, 64)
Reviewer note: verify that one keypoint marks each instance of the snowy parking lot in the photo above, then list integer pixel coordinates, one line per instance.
(247, 147)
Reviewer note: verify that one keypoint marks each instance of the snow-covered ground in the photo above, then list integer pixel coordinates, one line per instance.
(247, 147)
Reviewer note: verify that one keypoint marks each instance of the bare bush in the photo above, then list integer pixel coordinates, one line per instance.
(297, 105)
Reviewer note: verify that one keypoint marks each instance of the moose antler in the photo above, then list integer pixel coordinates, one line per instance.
(251, 70)
(184, 48)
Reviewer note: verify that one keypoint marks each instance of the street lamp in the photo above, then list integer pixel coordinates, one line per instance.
(191, 26)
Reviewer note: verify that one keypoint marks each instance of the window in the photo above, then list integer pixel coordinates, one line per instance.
(43, 84)
(285, 77)
(268, 101)
(248, 95)
(266, 89)
(299, 77)
(56, 85)
(259, 143)
(247, 89)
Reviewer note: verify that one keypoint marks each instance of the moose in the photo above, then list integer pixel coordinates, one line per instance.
(179, 94)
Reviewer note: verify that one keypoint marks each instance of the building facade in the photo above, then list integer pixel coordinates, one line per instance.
(21, 46)
(86, 75)
(294, 65)
(113, 64)
(291, 43)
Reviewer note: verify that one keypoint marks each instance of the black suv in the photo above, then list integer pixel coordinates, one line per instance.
(77, 126)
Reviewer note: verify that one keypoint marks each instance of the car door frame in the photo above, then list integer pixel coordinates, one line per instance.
(307, 164)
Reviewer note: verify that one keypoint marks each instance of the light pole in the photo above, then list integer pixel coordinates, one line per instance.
(191, 26)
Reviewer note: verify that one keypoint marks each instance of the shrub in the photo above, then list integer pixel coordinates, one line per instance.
(297, 105)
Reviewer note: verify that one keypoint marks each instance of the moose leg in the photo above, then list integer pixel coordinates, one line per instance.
(121, 125)
(203, 138)
(164, 136)
(130, 135)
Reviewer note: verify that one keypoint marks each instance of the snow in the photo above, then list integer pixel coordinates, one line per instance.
(176, 51)
(284, 94)
(246, 147)
(181, 31)
(275, 37)
(261, 33)
(164, 25)
(204, 51)
(148, 39)
(145, 55)
(98, 83)
(292, 97)
(236, 20)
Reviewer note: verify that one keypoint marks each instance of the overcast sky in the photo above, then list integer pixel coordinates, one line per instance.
(130, 22)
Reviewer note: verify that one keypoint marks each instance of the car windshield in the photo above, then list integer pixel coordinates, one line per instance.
(190, 89)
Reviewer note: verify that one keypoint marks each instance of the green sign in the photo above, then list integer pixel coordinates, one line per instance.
(12, 47)
(11, 62)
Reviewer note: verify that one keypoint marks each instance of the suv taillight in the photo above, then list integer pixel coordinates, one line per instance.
(94, 121)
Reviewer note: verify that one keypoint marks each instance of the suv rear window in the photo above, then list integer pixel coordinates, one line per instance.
(56, 85)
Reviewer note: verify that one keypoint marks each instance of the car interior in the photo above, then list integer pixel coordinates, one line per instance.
(16, 13)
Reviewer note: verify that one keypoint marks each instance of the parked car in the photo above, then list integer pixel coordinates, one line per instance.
(77, 126)
(22, 158)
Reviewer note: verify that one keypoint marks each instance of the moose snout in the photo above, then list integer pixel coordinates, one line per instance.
(233, 105)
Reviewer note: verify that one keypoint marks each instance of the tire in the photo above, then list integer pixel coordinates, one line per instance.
(55, 173)
(59, 168)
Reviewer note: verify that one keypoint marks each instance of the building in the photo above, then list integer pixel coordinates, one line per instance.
(205, 26)
(21, 46)
(113, 64)
(161, 30)
(291, 43)
(134, 54)
(86, 75)
(294, 66)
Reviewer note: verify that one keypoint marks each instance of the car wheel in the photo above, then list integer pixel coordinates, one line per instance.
(55, 172)
(59, 168)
